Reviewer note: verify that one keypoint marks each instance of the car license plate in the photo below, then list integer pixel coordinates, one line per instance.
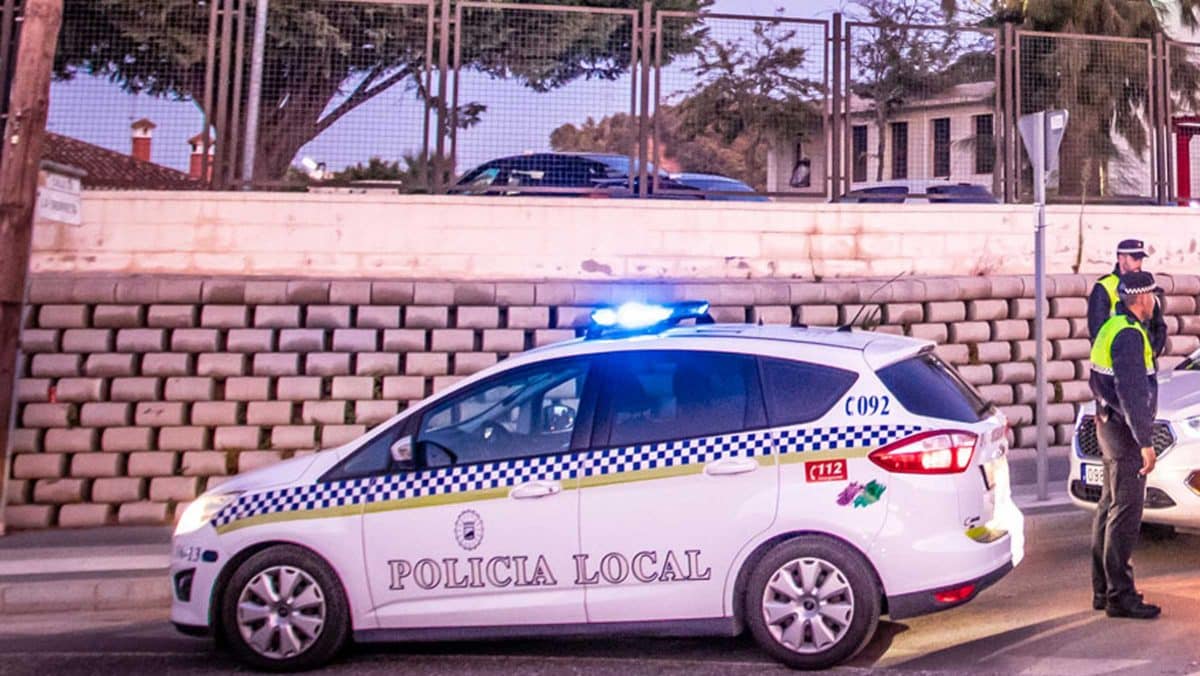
(1093, 475)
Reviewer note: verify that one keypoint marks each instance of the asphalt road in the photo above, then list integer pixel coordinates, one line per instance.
(1038, 620)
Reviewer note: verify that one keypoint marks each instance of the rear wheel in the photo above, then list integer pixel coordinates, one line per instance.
(812, 602)
(284, 610)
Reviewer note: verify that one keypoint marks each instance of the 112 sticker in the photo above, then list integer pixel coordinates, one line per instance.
(825, 470)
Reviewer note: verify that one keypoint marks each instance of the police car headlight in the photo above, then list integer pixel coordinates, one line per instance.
(1190, 427)
(203, 510)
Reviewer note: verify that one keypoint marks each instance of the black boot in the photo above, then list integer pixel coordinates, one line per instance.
(1137, 611)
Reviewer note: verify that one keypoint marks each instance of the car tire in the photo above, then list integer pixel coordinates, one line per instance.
(812, 602)
(284, 609)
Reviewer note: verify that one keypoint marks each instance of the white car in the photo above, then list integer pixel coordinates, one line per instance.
(686, 480)
(1173, 488)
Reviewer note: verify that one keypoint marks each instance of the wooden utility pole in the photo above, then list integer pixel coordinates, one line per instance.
(29, 104)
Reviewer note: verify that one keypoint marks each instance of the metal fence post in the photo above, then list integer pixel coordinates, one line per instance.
(847, 141)
(1012, 177)
(835, 131)
(644, 93)
(210, 87)
(998, 112)
(439, 163)
(1161, 122)
(452, 160)
(254, 98)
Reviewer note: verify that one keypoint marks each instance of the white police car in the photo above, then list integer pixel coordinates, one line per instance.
(1173, 488)
(694, 480)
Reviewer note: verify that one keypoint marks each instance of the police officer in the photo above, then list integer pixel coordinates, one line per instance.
(1102, 302)
(1126, 393)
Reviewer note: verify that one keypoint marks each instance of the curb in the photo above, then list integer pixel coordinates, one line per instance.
(149, 589)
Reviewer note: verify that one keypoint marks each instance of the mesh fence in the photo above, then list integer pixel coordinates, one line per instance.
(123, 102)
(1104, 83)
(921, 107)
(544, 100)
(521, 97)
(740, 105)
(346, 91)
(1183, 83)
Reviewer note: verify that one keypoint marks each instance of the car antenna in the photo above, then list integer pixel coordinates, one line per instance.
(845, 328)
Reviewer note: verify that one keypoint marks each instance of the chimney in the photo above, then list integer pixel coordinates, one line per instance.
(143, 131)
(196, 165)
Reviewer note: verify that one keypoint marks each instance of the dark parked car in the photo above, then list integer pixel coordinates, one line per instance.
(934, 193)
(719, 188)
(567, 174)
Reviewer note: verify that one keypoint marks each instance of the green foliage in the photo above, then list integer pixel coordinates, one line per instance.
(376, 169)
(894, 64)
(325, 59)
(1103, 84)
(702, 153)
(749, 94)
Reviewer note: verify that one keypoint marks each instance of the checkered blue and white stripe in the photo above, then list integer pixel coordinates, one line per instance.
(564, 467)
(809, 439)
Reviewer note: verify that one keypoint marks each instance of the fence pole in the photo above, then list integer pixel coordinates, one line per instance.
(847, 147)
(1012, 177)
(210, 87)
(235, 132)
(835, 114)
(24, 133)
(223, 92)
(1160, 94)
(254, 98)
(644, 94)
(439, 176)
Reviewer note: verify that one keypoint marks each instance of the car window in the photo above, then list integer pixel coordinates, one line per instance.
(481, 178)
(925, 385)
(373, 458)
(800, 392)
(528, 412)
(660, 396)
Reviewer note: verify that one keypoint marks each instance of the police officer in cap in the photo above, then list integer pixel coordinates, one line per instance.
(1126, 391)
(1102, 302)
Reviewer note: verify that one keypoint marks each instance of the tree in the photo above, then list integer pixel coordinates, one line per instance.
(757, 91)
(748, 95)
(326, 59)
(376, 169)
(1103, 85)
(897, 64)
(703, 153)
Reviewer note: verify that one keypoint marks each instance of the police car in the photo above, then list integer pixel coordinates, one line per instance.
(1173, 488)
(649, 477)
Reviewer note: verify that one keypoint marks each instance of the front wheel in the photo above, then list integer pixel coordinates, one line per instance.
(812, 602)
(284, 610)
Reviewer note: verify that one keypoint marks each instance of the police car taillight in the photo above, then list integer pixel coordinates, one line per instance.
(933, 452)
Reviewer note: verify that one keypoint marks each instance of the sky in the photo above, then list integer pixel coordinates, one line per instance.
(517, 120)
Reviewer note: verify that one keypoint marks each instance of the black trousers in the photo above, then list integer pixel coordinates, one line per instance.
(1116, 528)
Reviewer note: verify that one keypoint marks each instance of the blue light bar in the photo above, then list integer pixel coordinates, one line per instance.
(633, 317)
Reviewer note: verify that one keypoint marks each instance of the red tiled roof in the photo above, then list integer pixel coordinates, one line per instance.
(108, 169)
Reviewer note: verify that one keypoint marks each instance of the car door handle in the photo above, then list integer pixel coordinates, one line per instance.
(535, 489)
(730, 466)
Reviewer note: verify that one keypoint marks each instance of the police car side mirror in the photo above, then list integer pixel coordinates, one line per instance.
(557, 418)
(402, 451)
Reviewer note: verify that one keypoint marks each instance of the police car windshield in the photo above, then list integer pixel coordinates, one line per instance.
(925, 385)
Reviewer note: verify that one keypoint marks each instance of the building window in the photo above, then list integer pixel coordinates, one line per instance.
(985, 145)
(860, 152)
(899, 150)
(941, 147)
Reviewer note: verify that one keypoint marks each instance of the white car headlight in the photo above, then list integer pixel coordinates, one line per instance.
(202, 510)
(1190, 427)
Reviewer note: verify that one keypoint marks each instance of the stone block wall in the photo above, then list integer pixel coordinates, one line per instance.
(136, 394)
